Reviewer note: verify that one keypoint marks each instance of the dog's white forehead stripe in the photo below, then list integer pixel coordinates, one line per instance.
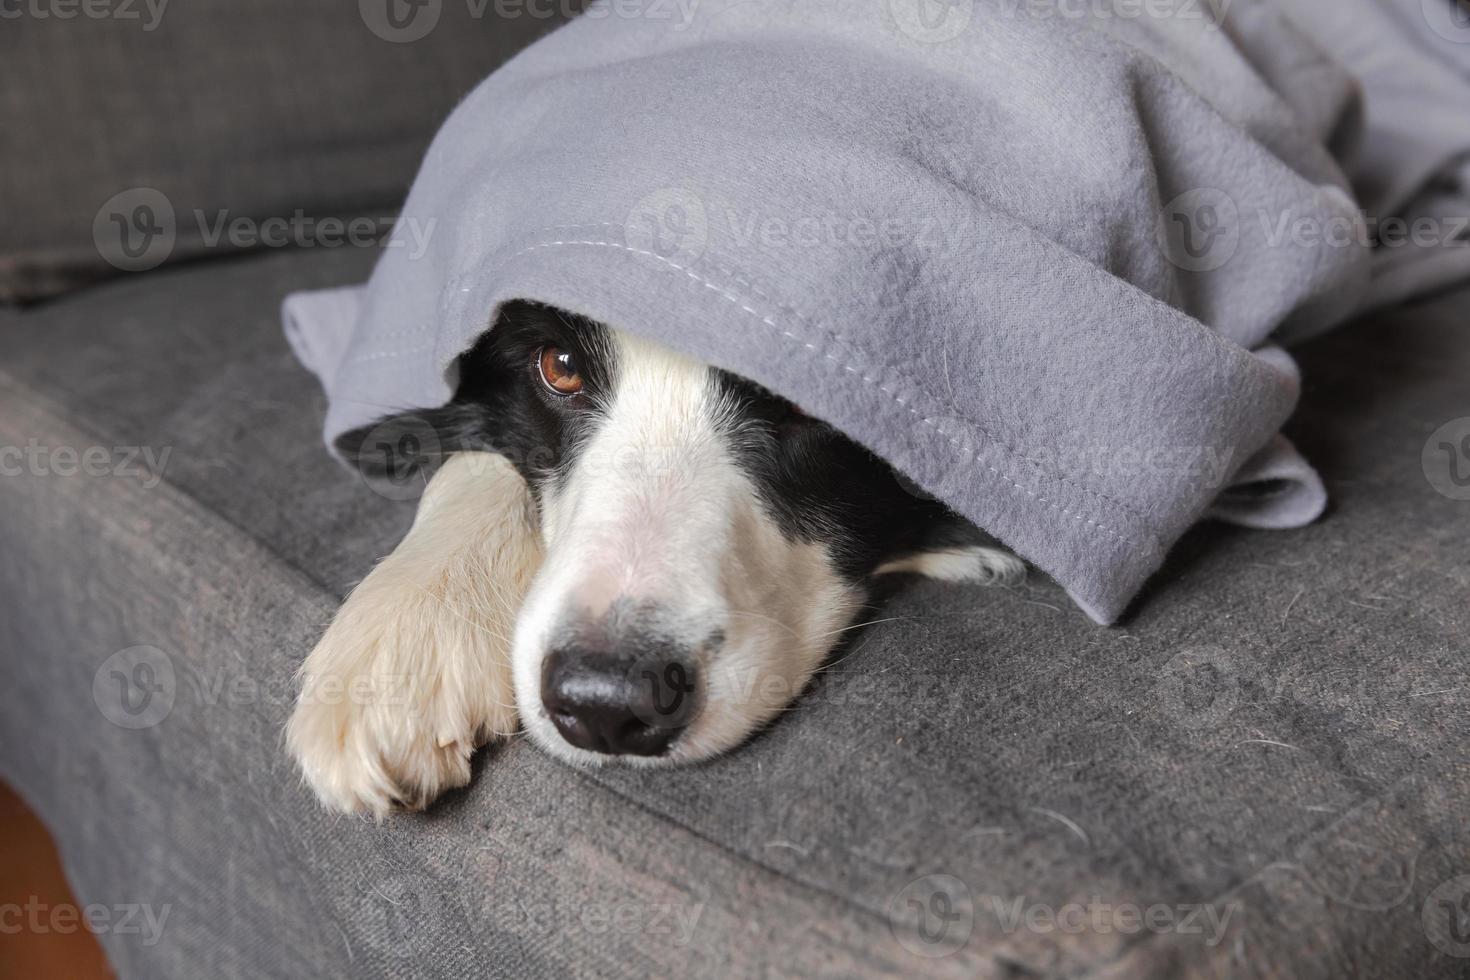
(650, 490)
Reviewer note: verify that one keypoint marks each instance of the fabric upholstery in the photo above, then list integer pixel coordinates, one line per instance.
(1278, 729)
(181, 119)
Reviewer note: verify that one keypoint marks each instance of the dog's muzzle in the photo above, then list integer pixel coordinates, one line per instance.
(619, 704)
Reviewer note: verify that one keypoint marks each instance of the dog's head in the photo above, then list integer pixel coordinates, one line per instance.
(707, 543)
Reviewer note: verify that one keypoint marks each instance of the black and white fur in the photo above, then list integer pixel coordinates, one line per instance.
(647, 570)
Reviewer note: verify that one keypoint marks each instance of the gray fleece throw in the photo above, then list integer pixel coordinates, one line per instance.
(1041, 255)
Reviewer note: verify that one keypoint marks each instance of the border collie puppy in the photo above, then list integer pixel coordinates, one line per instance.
(639, 557)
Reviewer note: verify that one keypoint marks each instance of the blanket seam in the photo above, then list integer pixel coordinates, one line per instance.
(834, 336)
(384, 355)
(961, 450)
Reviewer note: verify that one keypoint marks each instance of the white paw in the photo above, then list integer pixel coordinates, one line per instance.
(414, 672)
(974, 564)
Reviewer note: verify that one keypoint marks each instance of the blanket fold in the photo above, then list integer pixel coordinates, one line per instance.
(1040, 263)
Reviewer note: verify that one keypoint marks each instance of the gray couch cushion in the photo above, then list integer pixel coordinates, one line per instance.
(177, 119)
(1278, 732)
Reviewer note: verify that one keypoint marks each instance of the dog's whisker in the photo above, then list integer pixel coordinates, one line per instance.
(871, 622)
(841, 660)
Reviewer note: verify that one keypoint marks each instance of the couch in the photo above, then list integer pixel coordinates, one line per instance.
(1263, 772)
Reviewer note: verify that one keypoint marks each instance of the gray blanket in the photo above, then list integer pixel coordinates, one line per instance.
(1041, 255)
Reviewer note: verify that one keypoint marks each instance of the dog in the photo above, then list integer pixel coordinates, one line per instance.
(637, 557)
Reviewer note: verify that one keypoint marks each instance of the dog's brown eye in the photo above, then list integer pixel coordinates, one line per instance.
(559, 370)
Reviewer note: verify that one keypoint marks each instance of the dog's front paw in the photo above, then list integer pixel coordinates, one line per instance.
(414, 673)
(397, 695)
(373, 741)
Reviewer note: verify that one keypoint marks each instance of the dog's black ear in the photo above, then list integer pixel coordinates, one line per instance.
(405, 449)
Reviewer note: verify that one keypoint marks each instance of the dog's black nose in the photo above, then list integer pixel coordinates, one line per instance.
(617, 705)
